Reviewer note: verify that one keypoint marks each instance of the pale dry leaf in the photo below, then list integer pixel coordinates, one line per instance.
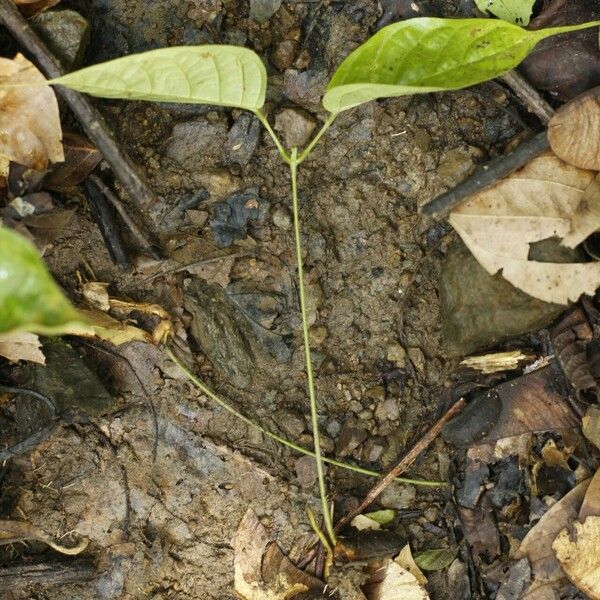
(533, 204)
(96, 293)
(22, 345)
(17, 531)
(579, 555)
(537, 544)
(30, 132)
(591, 503)
(406, 561)
(392, 582)
(362, 523)
(586, 219)
(495, 362)
(106, 328)
(574, 131)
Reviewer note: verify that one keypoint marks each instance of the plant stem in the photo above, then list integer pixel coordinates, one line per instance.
(307, 355)
(336, 463)
(304, 154)
(263, 119)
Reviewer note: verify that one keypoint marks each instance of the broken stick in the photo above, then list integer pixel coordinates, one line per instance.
(404, 463)
(91, 120)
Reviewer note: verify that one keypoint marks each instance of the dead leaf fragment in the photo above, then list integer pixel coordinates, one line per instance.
(493, 363)
(590, 506)
(81, 158)
(22, 346)
(392, 582)
(533, 204)
(17, 531)
(407, 562)
(30, 8)
(30, 132)
(573, 131)
(579, 555)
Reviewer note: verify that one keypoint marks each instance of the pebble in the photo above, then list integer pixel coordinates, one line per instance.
(398, 496)
(365, 414)
(373, 449)
(388, 410)
(263, 10)
(231, 217)
(417, 358)
(376, 393)
(290, 422)
(193, 140)
(281, 217)
(284, 54)
(318, 335)
(296, 126)
(350, 438)
(396, 354)
(306, 471)
(333, 428)
(242, 140)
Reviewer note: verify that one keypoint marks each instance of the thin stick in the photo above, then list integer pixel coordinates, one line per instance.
(487, 175)
(404, 463)
(528, 95)
(308, 360)
(336, 463)
(91, 120)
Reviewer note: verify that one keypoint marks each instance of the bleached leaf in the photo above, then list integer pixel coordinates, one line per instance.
(495, 362)
(30, 132)
(579, 555)
(21, 345)
(533, 204)
(393, 582)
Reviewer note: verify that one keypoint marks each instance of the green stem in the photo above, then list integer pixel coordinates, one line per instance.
(263, 119)
(307, 354)
(304, 154)
(230, 409)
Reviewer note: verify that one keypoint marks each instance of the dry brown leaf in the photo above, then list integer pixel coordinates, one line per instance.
(537, 544)
(18, 531)
(30, 8)
(579, 555)
(81, 158)
(574, 131)
(30, 132)
(533, 204)
(22, 346)
(591, 503)
(392, 582)
(586, 219)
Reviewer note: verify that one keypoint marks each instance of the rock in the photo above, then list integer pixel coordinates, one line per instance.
(376, 393)
(318, 335)
(193, 140)
(281, 217)
(373, 449)
(333, 428)
(350, 438)
(230, 218)
(486, 311)
(396, 354)
(263, 10)
(591, 425)
(306, 471)
(398, 496)
(388, 410)
(519, 576)
(242, 140)
(327, 444)
(366, 414)
(284, 54)
(296, 126)
(66, 34)
(455, 165)
(291, 423)
(305, 87)
(417, 358)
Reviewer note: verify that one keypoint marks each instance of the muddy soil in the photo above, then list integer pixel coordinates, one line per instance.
(163, 528)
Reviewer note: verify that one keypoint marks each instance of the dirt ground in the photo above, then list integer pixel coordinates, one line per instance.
(163, 528)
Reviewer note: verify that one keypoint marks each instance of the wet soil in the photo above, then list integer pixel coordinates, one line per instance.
(163, 528)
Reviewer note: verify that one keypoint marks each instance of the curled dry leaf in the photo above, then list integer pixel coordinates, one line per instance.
(574, 131)
(17, 531)
(30, 132)
(21, 345)
(533, 204)
(579, 555)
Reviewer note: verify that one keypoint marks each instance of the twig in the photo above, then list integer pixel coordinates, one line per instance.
(528, 95)
(404, 463)
(16, 578)
(105, 218)
(91, 120)
(487, 175)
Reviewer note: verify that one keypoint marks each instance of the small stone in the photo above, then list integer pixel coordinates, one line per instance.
(365, 414)
(284, 54)
(193, 140)
(290, 422)
(219, 182)
(306, 471)
(333, 428)
(242, 140)
(66, 33)
(374, 449)
(327, 444)
(318, 335)
(417, 358)
(398, 496)
(376, 393)
(231, 217)
(281, 217)
(296, 125)
(388, 410)
(263, 10)
(396, 354)
(431, 514)
(350, 438)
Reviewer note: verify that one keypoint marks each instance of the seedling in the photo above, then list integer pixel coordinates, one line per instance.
(415, 56)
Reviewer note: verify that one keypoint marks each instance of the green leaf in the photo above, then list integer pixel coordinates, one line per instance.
(30, 300)
(513, 11)
(434, 560)
(383, 517)
(430, 55)
(221, 75)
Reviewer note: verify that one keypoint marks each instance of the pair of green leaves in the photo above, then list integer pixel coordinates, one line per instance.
(414, 56)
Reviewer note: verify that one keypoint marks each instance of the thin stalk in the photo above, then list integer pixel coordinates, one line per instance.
(307, 354)
(304, 154)
(263, 119)
(336, 463)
